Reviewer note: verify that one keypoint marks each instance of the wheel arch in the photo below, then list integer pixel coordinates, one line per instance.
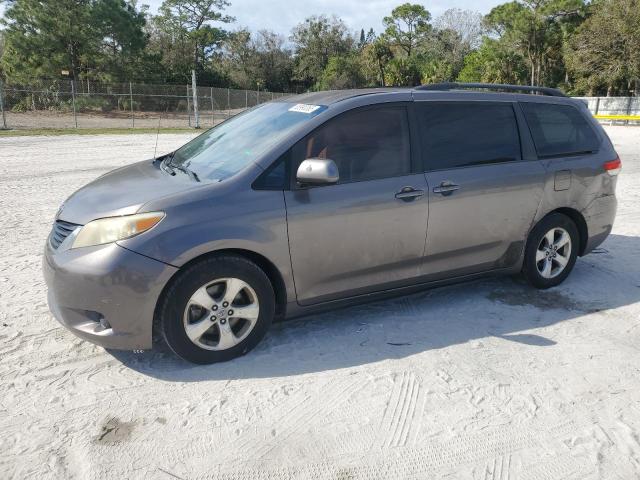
(580, 222)
(272, 272)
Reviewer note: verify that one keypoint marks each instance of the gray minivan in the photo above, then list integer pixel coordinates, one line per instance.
(326, 199)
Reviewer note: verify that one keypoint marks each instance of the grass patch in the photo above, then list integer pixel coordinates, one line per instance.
(92, 131)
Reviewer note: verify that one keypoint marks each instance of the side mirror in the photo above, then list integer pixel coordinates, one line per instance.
(317, 171)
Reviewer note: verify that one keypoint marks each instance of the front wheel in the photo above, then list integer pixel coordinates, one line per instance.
(217, 309)
(551, 251)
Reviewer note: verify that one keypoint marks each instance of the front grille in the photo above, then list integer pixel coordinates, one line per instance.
(61, 230)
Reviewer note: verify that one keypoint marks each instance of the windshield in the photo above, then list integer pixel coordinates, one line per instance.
(226, 149)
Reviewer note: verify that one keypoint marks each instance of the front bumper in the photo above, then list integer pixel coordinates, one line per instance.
(105, 285)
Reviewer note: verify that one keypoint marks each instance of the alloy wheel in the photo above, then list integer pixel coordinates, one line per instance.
(221, 313)
(553, 252)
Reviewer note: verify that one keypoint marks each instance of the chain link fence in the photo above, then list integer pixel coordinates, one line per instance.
(62, 104)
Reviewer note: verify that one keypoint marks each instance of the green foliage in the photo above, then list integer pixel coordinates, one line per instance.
(494, 63)
(185, 38)
(583, 46)
(23, 105)
(316, 40)
(403, 71)
(257, 61)
(375, 58)
(125, 104)
(95, 39)
(342, 72)
(604, 53)
(407, 26)
(90, 104)
(535, 29)
(42, 38)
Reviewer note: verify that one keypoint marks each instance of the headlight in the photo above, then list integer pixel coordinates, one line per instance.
(112, 229)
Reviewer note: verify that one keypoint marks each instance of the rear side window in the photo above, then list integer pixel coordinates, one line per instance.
(559, 130)
(461, 134)
(366, 144)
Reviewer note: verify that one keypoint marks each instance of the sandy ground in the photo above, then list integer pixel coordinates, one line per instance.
(486, 380)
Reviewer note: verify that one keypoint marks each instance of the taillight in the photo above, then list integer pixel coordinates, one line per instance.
(613, 167)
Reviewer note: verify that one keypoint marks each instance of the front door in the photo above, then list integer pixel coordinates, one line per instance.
(368, 230)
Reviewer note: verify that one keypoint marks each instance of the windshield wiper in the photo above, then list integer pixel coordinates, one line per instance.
(193, 175)
(166, 166)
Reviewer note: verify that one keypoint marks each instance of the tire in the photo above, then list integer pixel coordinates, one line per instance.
(545, 266)
(197, 297)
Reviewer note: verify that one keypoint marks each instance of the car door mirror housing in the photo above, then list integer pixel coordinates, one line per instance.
(317, 171)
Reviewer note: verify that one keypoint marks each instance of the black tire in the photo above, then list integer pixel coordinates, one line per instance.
(530, 266)
(172, 306)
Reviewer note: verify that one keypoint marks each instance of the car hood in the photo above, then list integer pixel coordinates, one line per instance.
(122, 192)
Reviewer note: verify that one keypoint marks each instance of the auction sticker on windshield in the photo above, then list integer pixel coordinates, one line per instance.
(304, 108)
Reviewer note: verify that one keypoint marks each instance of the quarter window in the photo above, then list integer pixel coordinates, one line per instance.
(275, 177)
(462, 134)
(366, 144)
(559, 130)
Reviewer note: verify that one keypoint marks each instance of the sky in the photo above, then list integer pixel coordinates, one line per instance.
(282, 15)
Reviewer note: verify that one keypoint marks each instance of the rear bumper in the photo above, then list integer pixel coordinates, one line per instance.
(599, 215)
(105, 283)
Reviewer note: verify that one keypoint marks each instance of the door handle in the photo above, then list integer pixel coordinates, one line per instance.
(446, 188)
(409, 193)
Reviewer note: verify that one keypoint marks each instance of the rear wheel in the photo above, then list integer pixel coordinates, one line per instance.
(551, 251)
(217, 309)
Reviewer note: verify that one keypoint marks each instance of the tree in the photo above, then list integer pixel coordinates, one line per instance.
(1, 51)
(187, 25)
(89, 38)
(407, 25)
(605, 50)
(342, 72)
(121, 28)
(315, 41)
(366, 39)
(274, 60)
(403, 71)
(239, 59)
(443, 56)
(466, 23)
(375, 59)
(43, 38)
(534, 28)
(259, 61)
(494, 63)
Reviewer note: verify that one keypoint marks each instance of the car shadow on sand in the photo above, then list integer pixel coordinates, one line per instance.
(504, 307)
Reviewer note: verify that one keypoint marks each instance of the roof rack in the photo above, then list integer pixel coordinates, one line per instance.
(554, 92)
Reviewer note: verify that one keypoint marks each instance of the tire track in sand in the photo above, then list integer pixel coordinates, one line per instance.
(397, 425)
(301, 414)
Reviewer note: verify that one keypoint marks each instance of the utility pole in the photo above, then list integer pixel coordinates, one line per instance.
(133, 118)
(73, 101)
(195, 98)
(188, 106)
(4, 118)
(213, 109)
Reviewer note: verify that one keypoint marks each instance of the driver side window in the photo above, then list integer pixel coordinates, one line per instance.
(366, 144)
